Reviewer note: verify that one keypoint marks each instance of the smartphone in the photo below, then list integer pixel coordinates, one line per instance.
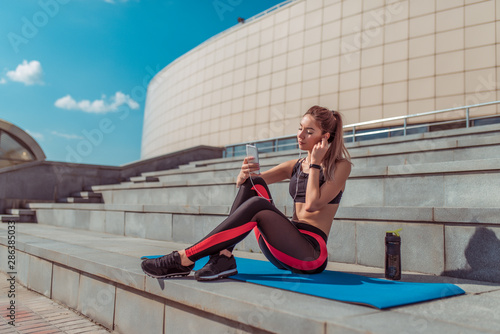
(252, 151)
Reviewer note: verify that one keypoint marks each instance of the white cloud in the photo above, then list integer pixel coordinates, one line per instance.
(28, 73)
(97, 106)
(65, 135)
(35, 135)
(3, 81)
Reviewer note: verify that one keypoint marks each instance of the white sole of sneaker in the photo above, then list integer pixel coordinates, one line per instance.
(220, 275)
(168, 276)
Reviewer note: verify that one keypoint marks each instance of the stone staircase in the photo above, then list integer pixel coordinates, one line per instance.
(440, 187)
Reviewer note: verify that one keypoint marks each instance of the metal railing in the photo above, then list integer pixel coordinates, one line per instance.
(354, 133)
(405, 119)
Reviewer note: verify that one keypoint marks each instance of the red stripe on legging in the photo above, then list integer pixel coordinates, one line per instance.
(220, 238)
(296, 263)
(261, 191)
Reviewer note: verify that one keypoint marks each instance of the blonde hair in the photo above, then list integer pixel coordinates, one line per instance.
(330, 121)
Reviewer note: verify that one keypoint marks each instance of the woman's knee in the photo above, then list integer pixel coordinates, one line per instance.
(258, 202)
(258, 180)
(260, 186)
(254, 179)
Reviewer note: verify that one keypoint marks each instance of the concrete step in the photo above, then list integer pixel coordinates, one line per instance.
(27, 212)
(80, 200)
(18, 218)
(445, 184)
(86, 194)
(454, 215)
(217, 171)
(96, 275)
(192, 192)
(138, 179)
(435, 239)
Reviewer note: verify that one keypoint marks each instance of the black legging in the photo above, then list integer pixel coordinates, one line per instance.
(298, 247)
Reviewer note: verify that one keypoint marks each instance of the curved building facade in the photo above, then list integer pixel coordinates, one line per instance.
(368, 59)
(17, 146)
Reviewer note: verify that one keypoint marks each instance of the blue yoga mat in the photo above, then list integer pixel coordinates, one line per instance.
(351, 288)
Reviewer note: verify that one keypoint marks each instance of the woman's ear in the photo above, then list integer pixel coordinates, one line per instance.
(327, 136)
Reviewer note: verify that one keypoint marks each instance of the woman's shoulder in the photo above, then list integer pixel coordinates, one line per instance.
(344, 161)
(293, 164)
(280, 172)
(343, 164)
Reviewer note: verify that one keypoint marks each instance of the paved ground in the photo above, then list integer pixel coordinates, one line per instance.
(38, 314)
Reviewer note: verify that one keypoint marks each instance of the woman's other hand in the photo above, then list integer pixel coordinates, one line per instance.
(319, 150)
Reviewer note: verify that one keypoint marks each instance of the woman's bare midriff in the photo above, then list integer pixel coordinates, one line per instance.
(321, 219)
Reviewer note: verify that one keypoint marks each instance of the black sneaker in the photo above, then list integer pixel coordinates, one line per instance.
(219, 266)
(166, 266)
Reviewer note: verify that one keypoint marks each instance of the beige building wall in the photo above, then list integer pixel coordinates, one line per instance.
(368, 59)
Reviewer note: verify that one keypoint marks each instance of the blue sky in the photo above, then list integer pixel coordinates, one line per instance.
(74, 72)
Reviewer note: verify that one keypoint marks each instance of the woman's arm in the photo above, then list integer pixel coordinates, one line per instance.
(317, 197)
(278, 173)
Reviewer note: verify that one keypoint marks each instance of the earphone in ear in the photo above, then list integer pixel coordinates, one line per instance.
(329, 139)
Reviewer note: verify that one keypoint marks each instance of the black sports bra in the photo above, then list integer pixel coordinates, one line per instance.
(298, 185)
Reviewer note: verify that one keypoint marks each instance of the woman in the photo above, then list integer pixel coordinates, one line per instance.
(316, 185)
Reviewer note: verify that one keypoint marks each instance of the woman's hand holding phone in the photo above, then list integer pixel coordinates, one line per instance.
(247, 168)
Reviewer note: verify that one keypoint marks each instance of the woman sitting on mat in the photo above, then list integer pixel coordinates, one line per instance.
(298, 245)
